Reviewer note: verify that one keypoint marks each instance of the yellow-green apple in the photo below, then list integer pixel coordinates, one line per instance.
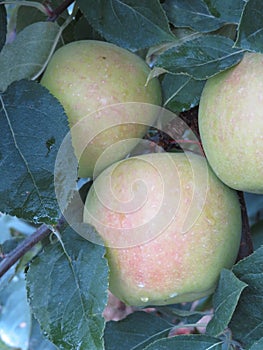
(231, 124)
(169, 226)
(97, 84)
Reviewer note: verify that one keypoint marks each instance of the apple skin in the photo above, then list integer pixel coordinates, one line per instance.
(199, 234)
(86, 77)
(231, 124)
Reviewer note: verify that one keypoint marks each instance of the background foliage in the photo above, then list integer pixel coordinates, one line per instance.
(61, 302)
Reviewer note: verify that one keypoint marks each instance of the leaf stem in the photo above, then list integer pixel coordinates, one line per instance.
(34, 4)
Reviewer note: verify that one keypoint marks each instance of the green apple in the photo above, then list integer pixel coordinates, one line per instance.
(231, 124)
(103, 90)
(169, 226)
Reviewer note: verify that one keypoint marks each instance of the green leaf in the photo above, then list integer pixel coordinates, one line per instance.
(132, 24)
(135, 331)
(201, 57)
(192, 14)
(69, 296)
(187, 342)
(181, 92)
(15, 317)
(227, 11)
(225, 300)
(27, 15)
(3, 26)
(250, 31)
(26, 56)
(249, 312)
(33, 125)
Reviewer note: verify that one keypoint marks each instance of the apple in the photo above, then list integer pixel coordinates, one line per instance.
(169, 226)
(103, 90)
(231, 124)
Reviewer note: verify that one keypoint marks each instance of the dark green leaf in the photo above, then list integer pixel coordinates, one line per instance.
(33, 125)
(192, 14)
(225, 300)
(26, 56)
(135, 332)
(227, 11)
(201, 57)
(132, 24)
(181, 92)
(67, 288)
(187, 342)
(250, 31)
(27, 15)
(247, 321)
(3, 26)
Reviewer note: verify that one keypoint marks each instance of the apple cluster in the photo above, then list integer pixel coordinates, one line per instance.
(169, 221)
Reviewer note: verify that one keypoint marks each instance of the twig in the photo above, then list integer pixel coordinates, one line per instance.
(60, 9)
(42, 232)
(246, 244)
(11, 258)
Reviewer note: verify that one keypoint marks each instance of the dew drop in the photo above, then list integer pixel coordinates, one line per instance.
(173, 295)
(144, 299)
(141, 285)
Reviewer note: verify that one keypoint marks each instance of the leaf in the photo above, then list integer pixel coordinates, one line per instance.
(250, 31)
(181, 92)
(69, 296)
(249, 311)
(194, 14)
(132, 24)
(26, 56)
(3, 25)
(225, 300)
(227, 11)
(15, 317)
(187, 342)
(27, 15)
(201, 57)
(33, 125)
(135, 331)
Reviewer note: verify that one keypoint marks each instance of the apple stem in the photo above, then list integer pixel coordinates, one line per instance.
(246, 245)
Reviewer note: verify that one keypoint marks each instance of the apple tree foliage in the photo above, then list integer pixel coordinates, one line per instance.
(53, 297)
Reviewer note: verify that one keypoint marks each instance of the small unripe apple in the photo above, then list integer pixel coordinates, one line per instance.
(169, 226)
(89, 76)
(231, 124)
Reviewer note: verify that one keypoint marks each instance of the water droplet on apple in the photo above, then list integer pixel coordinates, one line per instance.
(144, 299)
(141, 285)
(173, 295)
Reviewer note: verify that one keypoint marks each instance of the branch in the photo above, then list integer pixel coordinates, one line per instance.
(59, 10)
(11, 258)
(246, 245)
(42, 232)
